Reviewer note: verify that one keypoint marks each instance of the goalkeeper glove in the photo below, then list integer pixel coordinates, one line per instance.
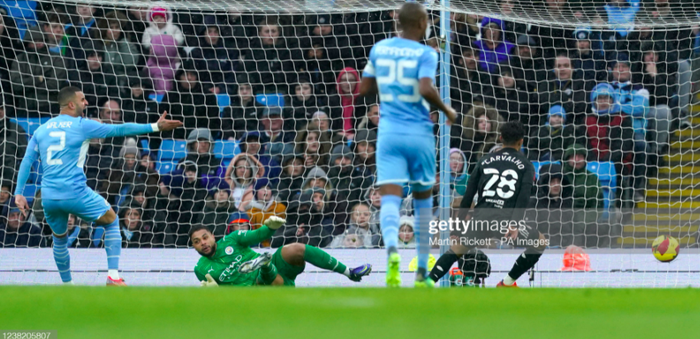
(210, 282)
(274, 222)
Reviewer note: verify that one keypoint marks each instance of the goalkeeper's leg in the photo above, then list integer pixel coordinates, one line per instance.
(297, 255)
(445, 262)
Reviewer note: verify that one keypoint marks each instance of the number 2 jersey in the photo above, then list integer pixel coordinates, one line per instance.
(62, 145)
(398, 65)
(503, 181)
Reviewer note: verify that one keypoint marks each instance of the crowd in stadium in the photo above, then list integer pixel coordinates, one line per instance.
(283, 89)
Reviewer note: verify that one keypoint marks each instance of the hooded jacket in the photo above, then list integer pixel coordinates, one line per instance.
(170, 28)
(549, 143)
(587, 192)
(343, 109)
(162, 63)
(472, 142)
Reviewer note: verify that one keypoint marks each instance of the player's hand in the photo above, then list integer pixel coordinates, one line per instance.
(167, 125)
(274, 222)
(210, 282)
(21, 203)
(451, 115)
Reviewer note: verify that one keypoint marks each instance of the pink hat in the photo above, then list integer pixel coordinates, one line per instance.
(159, 11)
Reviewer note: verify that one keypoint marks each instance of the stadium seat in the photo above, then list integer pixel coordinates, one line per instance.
(225, 149)
(276, 99)
(22, 12)
(223, 100)
(29, 124)
(172, 150)
(608, 179)
(166, 166)
(144, 145)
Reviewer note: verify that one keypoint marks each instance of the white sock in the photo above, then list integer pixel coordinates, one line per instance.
(508, 280)
(69, 283)
(347, 272)
(114, 274)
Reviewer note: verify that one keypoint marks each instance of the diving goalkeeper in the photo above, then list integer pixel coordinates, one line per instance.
(231, 261)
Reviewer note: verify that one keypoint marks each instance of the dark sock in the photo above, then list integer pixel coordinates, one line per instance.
(268, 273)
(443, 265)
(524, 262)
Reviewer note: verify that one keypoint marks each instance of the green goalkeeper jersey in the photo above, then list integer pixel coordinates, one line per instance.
(231, 251)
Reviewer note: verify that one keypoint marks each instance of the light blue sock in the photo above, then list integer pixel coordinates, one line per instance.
(389, 220)
(113, 244)
(62, 258)
(422, 212)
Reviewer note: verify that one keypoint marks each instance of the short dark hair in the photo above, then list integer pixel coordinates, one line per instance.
(196, 228)
(512, 132)
(67, 94)
(411, 15)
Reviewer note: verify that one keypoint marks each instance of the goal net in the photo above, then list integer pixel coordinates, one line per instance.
(274, 125)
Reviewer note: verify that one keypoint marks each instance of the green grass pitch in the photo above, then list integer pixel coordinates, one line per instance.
(133, 312)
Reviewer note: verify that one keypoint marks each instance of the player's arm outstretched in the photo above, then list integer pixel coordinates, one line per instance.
(250, 238)
(30, 156)
(94, 129)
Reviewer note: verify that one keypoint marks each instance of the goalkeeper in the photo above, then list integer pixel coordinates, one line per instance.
(231, 261)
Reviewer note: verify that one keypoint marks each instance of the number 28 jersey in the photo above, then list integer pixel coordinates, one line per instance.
(503, 181)
(398, 65)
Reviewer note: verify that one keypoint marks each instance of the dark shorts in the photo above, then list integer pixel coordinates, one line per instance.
(288, 272)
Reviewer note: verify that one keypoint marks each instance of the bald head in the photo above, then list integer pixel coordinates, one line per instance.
(413, 17)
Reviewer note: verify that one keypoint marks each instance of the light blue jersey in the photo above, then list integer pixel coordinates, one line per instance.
(62, 144)
(398, 64)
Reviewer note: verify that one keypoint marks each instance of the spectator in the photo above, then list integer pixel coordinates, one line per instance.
(303, 106)
(277, 140)
(358, 234)
(527, 64)
(374, 200)
(37, 75)
(79, 233)
(239, 222)
(199, 151)
(660, 84)
(243, 115)
(554, 38)
(315, 150)
(217, 210)
(135, 232)
(343, 105)
(318, 66)
(161, 23)
(55, 35)
(587, 57)
(110, 113)
(215, 60)
(10, 44)
(292, 178)
(343, 175)
(126, 173)
(13, 142)
(458, 171)
(235, 26)
(189, 200)
(587, 195)
(265, 205)
(190, 104)
(467, 81)
(552, 203)
(5, 198)
(241, 175)
(100, 155)
(620, 14)
(566, 88)
(163, 61)
(137, 107)
(371, 120)
(16, 232)
(364, 148)
(80, 31)
(547, 143)
(95, 78)
(154, 216)
(334, 205)
(320, 119)
(136, 24)
(117, 51)
(272, 59)
(493, 50)
(251, 145)
(407, 237)
(512, 98)
(299, 219)
(479, 132)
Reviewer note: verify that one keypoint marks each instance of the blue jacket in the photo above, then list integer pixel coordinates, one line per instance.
(622, 17)
(634, 101)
